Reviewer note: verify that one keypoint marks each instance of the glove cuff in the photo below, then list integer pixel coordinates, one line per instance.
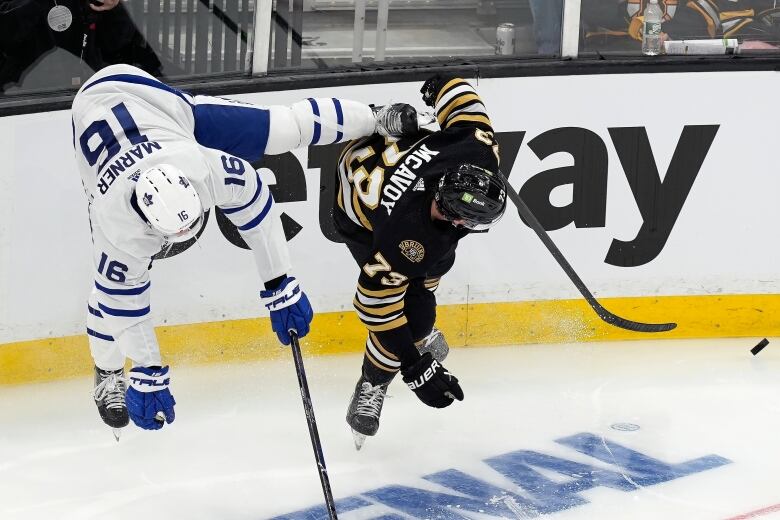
(288, 293)
(422, 371)
(149, 379)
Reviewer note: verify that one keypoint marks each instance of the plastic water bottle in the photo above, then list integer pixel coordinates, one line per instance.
(651, 32)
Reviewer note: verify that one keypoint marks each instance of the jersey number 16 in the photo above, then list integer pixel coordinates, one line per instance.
(108, 140)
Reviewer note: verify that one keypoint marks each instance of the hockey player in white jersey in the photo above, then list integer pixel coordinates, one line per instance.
(152, 160)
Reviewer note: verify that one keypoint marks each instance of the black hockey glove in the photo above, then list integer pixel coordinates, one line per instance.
(431, 382)
(431, 88)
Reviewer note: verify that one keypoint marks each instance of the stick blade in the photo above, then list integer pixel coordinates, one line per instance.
(636, 326)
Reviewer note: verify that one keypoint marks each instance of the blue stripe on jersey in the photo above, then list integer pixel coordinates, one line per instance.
(228, 211)
(238, 130)
(98, 335)
(131, 313)
(94, 311)
(123, 292)
(255, 221)
(316, 109)
(235, 129)
(339, 119)
(139, 80)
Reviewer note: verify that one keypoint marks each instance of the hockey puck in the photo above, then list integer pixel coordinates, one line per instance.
(758, 348)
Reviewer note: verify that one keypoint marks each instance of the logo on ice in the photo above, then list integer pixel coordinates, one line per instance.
(461, 495)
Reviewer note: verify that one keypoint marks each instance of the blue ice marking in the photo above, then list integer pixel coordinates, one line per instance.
(466, 494)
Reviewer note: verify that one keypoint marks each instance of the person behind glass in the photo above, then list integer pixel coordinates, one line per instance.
(621, 21)
(98, 32)
(547, 25)
(402, 206)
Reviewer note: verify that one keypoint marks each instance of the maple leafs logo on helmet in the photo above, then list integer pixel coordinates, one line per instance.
(176, 209)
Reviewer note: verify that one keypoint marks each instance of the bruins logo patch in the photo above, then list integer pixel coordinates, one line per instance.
(412, 250)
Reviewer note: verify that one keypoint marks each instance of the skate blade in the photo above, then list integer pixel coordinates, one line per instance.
(117, 433)
(359, 439)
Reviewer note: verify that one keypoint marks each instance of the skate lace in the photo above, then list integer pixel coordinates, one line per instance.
(111, 391)
(370, 399)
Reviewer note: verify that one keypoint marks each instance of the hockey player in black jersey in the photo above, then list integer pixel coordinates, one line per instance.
(402, 206)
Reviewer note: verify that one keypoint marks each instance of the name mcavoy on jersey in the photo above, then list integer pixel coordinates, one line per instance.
(404, 175)
(124, 161)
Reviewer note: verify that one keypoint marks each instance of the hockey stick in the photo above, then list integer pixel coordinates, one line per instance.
(604, 314)
(312, 422)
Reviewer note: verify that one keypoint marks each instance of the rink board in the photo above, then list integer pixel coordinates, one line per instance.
(690, 249)
(470, 326)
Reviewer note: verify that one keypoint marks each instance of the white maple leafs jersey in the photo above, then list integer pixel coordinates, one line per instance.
(124, 122)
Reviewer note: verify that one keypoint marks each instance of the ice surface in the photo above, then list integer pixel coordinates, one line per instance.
(543, 431)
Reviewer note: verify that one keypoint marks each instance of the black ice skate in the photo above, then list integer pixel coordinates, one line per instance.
(109, 394)
(436, 344)
(395, 120)
(364, 409)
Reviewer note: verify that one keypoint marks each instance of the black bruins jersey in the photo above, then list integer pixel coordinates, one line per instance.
(683, 19)
(385, 191)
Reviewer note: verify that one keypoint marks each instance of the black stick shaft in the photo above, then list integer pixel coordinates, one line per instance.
(312, 422)
(604, 314)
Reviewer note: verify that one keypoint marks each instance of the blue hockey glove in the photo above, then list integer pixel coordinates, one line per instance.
(149, 402)
(290, 309)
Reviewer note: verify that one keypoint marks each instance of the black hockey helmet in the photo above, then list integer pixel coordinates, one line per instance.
(473, 194)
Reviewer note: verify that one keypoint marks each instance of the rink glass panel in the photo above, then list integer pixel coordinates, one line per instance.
(171, 39)
(614, 28)
(328, 34)
(184, 40)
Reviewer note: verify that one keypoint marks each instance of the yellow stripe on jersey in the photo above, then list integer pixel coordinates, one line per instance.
(448, 86)
(707, 18)
(470, 117)
(382, 292)
(457, 101)
(339, 198)
(382, 310)
(730, 15)
(737, 27)
(378, 355)
(381, 348)
(431, 283)
(359, 210)
(377, 364)
(398, 322)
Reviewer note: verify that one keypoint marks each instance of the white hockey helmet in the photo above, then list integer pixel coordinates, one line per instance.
(169, 202)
